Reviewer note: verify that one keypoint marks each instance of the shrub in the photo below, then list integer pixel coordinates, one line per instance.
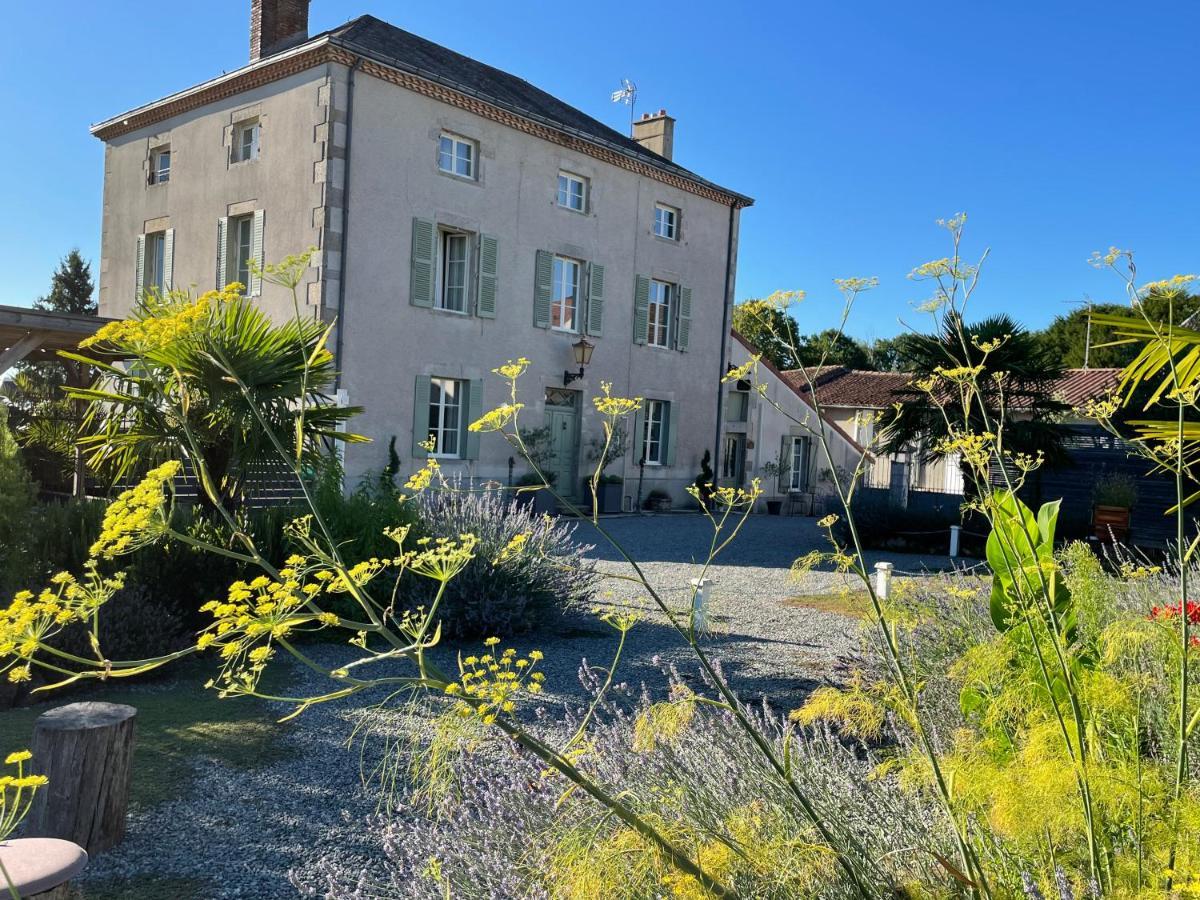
(16, 498)
(506, 588)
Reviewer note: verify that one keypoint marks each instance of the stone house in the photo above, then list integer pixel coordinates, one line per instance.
(462, 217)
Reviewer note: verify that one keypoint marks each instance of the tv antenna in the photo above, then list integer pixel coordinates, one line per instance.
(627, 94)
(1087, 340)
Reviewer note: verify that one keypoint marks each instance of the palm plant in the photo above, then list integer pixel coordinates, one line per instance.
(181, 388)
(1016, 381)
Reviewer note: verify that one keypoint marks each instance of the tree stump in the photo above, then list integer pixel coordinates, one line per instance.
(86, 750)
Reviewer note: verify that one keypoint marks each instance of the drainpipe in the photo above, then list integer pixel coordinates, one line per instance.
(341, 310)
(721, 363)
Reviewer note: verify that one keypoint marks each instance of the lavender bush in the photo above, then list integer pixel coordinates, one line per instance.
(507, 587)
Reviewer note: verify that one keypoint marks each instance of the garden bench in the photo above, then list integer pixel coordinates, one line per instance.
(41, 867)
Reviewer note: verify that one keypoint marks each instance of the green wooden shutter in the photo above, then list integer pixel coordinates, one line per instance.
(543, 274)
(139, 274)
(222, 250)
(641, 308)
(672, 424)
(785, 459)
(639, 429)
(595, 316)
(256, 254)
(420, 418)
(683, 324)
(420, 281)
(474, 412)
(169, 259)
(489, 265)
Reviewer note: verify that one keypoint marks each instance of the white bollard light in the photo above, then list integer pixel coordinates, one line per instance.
(955, 533)
(883, 579)
(701, 594)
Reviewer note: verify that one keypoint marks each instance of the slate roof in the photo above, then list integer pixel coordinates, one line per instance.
(858, 389)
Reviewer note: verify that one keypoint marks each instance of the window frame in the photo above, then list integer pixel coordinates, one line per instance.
(674, 222)
(456, 141)
(441, 429)
(445, 235)
(649, 406)
(658, 313)
(561, 192)
(557, 303)
(159, 175)
(154, 261)
(239, 132)
(234, 262)
(798, 476)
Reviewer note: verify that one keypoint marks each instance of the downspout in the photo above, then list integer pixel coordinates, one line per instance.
(721, 361)
(345, 255)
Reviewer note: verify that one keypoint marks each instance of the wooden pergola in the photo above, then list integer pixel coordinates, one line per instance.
(37, 335)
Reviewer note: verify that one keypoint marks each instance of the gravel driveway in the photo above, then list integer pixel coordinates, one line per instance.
(243, 831)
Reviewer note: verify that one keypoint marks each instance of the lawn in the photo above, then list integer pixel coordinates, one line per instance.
(854, 604)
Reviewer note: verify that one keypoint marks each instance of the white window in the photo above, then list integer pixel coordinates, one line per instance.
(799, 464)
(445, 415)
(160, 165)
(452, 271)
(732, 458)
(456, 156)
(572, 192)
(154, 278)
(246, 140)
(241, 246)
(659, 314)
(565, 297)
(666, 222)
(654, 432)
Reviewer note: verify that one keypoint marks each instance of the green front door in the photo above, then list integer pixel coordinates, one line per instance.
(562, 419)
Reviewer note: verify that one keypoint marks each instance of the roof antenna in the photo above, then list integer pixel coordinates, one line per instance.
(626, 94)
(1087, 340)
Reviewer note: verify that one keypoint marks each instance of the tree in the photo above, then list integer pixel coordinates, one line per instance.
(770, 330)
(885, 355)
(832, 347)
(1026, 391)
(71, 287)
(1068, 338)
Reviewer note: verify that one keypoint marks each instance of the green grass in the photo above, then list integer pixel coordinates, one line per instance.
(177, 720)
(854, 604)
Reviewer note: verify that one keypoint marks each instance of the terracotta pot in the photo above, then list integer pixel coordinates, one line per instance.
(1110, 523)
(774, 507)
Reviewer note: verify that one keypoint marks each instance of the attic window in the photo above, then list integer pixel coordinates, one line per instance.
(160, 165)
(456, 156)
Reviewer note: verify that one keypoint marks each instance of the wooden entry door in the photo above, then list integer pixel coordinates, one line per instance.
(562, 419)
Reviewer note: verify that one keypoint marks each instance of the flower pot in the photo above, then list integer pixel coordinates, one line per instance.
(774, 507)
(608, 495)
(1110, 523)
(658, 504)
(538, 501)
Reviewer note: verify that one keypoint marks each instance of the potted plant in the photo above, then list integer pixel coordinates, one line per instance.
(776, 470)
(603, 453)
(1114, 496)
(536, 493)
(658, 500)
(705, 482)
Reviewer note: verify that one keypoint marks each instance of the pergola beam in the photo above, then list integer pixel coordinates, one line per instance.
(18, 351)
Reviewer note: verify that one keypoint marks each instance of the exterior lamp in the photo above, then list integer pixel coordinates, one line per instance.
(583, 355)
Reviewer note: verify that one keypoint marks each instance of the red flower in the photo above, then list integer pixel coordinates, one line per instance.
(1171, 610)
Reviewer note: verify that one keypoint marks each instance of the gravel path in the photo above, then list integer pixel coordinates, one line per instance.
(244, 830)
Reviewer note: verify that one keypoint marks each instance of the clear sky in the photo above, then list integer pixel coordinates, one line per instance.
(1060, 127)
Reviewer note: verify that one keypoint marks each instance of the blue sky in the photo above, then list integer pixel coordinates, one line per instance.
(1060, 127)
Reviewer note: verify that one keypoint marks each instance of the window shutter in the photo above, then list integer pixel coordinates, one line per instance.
(595, 311)
(785, 459)
(639, 429)
(169, 259)
(543, 274)
(139, 274)
(222, 250)
(683, 324)
(256, 254)
(420, 418)
(489, 264)
(641, 308)
(474, 412)
(420, 282)
(672, 426)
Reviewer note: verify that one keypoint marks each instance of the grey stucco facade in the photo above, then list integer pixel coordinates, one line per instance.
(348, 160)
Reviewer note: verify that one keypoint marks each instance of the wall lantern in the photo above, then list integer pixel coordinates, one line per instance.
(583, 355)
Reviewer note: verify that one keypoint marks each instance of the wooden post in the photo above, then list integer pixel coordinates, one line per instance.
(86, 750)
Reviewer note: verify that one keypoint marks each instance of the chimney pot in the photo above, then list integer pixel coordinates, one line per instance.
(276, 25)
(656, 132)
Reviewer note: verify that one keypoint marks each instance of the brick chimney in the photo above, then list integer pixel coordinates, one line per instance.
(656, 132)
(276, 25)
